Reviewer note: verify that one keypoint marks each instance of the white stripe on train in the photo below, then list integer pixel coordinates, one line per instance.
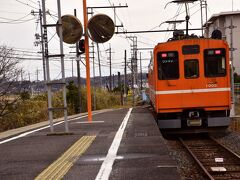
(189, 91)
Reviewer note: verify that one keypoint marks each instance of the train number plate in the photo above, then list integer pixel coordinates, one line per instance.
(194, 122)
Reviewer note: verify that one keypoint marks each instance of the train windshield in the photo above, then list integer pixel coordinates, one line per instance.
(191, 69)
(168, 65)
(215, 62)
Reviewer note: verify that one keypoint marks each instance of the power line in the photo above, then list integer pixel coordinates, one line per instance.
(15, 21)
(33, 2)
(174, 17)
(11, 12)
(27, 4)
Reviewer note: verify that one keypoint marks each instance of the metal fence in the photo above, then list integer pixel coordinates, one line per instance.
(237, 92)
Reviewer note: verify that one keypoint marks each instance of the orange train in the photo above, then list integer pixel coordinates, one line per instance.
(189, 83)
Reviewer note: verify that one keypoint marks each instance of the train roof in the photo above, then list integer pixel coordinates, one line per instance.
(193, 38)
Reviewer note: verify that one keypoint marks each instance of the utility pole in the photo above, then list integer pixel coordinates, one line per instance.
(134, 67)
(61, 56)
(203, 4)
(45, 41)
(42, 49)
(72, 68)
(21, 75)
(110, 71)
(141, 72)
(125, 76)
(37, 72)
(232, 114)
(40, 13)
(113, 81)
(94, 80)
(78, 71)
(120, 88)
(99, 66)
(132, 77)
(29, 77)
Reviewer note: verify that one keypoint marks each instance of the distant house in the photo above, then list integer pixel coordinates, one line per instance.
(222, 22)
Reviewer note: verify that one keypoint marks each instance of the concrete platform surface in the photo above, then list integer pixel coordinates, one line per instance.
(118, 144)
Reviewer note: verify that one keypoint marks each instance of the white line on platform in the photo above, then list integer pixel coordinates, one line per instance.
(86, 122)
(39, 129)
(26, 133)
(107, 164)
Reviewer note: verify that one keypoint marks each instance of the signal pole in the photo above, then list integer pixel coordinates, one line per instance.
(88, 83)
(78, 71)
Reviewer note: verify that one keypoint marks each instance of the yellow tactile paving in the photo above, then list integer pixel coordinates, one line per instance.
(62, 165)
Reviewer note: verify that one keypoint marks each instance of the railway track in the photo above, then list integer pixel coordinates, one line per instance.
(216, 160)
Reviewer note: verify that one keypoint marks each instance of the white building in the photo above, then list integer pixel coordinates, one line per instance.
(222, 22)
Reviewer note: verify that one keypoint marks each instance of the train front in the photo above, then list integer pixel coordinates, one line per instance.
(190, 84)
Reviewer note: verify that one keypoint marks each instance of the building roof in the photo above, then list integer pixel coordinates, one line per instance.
(216, 16)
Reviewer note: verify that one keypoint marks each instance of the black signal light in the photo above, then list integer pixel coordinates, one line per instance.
(82, 46)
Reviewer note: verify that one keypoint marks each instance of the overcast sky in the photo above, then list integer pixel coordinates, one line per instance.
(18, 26)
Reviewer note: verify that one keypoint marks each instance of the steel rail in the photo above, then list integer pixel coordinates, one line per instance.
(202, 166)
(225, 147)
(196, 159)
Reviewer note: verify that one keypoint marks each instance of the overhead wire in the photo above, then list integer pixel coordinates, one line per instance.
(174, 17)
(27, 4)
(33, 2)
(11, 12)
(16, 21)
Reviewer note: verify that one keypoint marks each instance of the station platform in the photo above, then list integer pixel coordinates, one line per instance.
(118, 144)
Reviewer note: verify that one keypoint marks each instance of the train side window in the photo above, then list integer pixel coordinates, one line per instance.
(168, 65)
(215, 62)
(191, 68)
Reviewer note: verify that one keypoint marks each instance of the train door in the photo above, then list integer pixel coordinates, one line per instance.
(191, 75)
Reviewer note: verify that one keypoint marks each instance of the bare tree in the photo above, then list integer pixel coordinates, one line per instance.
(9, 74)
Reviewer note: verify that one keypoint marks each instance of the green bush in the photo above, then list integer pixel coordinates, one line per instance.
(25, 113)
(104, 99)
(33, 110)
